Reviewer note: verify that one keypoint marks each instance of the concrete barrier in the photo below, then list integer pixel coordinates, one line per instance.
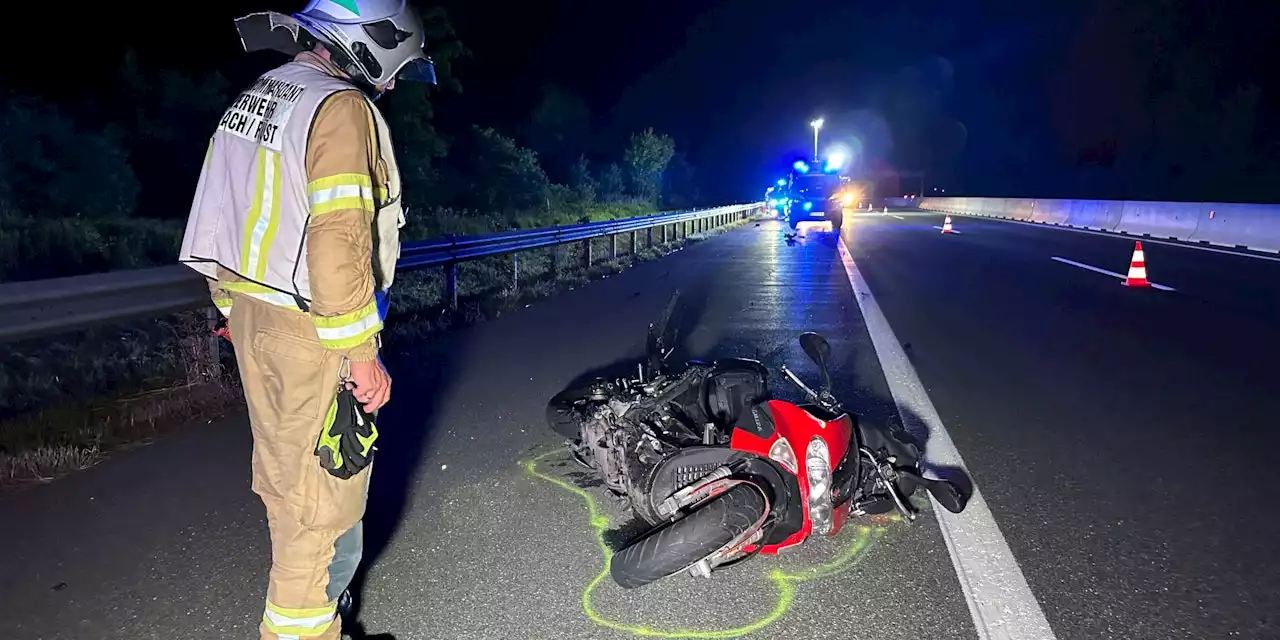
(1050, 211)
(992, 207)
(1166, 220)
(1019, 208)
(1098, 215)
(1248, 226)
(1256, 226)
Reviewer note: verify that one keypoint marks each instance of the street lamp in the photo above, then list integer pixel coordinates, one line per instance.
(816, 124)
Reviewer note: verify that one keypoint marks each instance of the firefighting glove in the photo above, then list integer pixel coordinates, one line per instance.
(345, 446)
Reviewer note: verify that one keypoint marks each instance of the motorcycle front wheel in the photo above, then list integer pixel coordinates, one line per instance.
(674, 547)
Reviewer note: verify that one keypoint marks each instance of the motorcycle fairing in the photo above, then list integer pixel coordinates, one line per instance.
(799, 427)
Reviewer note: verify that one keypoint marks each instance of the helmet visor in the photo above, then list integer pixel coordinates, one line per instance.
(418, 70)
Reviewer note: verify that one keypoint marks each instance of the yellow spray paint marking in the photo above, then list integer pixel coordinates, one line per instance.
(784, 582)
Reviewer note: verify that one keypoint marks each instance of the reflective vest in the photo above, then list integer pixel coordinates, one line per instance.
(252, 201)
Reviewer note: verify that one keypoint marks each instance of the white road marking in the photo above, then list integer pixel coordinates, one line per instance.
(1107, 273)
(1129, 236)
(999, 599)
(898, 217)
(953, 229)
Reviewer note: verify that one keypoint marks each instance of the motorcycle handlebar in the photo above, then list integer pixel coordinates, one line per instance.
(823, 399)
(813, 395)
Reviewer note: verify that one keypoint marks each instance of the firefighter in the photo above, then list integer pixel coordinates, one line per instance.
(295, 224)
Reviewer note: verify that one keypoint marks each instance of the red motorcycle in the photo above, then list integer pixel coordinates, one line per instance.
(724, 471)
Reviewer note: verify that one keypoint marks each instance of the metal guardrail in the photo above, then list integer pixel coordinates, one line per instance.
(44, 307)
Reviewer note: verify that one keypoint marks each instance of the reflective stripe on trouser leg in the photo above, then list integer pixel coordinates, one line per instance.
(289, 382)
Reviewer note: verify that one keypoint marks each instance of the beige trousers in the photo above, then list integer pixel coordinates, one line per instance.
(316, 538)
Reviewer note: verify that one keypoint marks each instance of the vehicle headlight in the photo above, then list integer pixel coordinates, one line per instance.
(847, 199)
(782, 453)
(817, 464)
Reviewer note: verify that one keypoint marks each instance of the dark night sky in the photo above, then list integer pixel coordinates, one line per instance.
(993, 98)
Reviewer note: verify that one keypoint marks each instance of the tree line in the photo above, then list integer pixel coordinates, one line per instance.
(104, 181)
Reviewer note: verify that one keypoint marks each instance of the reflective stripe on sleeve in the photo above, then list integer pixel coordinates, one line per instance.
(341, 191)
(349, 329)
(298, 623)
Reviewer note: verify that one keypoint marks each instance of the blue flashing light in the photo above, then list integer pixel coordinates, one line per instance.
(782, 182)
(835, 161)
(808, 206)
(801, 166)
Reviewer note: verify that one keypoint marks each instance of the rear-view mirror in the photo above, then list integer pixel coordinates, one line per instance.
(819, 351)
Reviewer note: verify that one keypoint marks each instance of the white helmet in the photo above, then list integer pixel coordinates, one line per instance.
(374, 41)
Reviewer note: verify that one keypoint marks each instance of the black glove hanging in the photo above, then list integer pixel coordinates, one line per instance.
(345, 446)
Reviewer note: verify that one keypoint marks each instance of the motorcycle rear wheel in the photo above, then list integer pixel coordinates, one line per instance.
(675, 547)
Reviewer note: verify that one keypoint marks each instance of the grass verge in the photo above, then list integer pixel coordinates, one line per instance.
(68, 402)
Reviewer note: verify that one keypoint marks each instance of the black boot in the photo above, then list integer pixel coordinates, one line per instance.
(359, 634)
(346, 604)
(352, 630)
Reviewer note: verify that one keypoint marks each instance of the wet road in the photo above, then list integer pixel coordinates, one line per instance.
(1121, 436)
(1110, 431)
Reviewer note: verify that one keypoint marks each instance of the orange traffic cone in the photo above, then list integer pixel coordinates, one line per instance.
(1137, 268)
(946, 225)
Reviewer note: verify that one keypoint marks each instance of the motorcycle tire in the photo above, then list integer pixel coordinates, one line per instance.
(675, 547)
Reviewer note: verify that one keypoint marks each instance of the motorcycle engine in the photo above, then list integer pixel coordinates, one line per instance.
(626, 427)
(603, 443)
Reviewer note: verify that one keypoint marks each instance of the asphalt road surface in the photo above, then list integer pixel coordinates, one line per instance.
(1119, 437)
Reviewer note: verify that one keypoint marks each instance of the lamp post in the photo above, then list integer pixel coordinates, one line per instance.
(816, 124)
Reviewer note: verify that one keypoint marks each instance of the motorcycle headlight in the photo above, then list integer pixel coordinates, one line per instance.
(820, 516)
(817, 464)
(847, 199)
(782, 453)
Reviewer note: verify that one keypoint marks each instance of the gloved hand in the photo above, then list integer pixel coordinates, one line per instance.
(345, 446)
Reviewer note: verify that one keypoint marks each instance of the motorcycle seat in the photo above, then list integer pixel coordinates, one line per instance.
(732, 388)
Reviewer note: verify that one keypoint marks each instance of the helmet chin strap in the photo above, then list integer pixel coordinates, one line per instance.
(355, 74)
